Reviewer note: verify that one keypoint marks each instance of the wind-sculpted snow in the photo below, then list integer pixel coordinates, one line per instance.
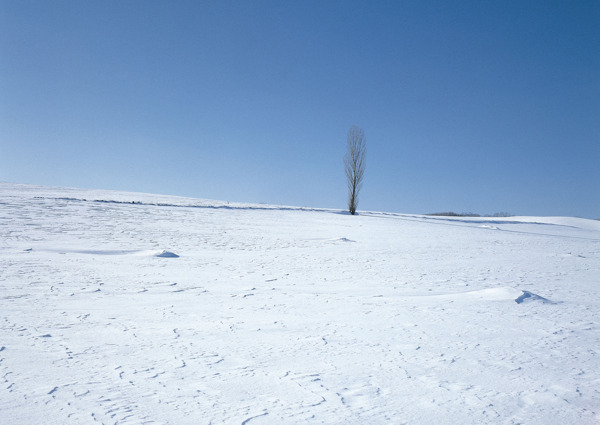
(165, 310)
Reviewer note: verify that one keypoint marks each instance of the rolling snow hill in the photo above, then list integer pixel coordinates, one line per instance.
(132, 308)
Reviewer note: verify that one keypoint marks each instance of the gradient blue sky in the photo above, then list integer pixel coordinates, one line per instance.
(466, 105)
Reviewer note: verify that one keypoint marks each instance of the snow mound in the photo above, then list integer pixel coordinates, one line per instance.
(492, 294)
(505, 293)
(487, 226)
(342, 240)
(167, 254)
(529, 297)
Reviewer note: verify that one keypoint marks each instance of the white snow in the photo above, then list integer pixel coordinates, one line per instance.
(132, 308)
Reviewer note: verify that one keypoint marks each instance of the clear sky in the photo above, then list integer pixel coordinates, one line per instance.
(482, 106)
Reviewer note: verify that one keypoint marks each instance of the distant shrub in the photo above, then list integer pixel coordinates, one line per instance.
(470, 214)
(502, 214)
(453, 214)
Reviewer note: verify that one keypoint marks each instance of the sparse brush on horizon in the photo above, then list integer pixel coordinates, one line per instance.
(470, 214)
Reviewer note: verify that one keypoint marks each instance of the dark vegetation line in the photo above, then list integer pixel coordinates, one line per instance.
(161, 204)
(469, 214)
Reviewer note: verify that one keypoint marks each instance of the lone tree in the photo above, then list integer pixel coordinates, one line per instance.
(354, 162)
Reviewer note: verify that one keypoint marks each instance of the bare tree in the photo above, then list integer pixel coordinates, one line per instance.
(354, 162)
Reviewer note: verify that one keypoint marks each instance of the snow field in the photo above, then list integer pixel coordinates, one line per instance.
(286, 315)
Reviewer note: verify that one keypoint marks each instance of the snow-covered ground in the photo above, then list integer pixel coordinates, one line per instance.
(283, 315)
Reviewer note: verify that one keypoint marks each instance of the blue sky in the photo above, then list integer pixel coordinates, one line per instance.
(466, 106)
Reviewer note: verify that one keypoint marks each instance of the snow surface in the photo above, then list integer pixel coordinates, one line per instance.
(132, 308)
